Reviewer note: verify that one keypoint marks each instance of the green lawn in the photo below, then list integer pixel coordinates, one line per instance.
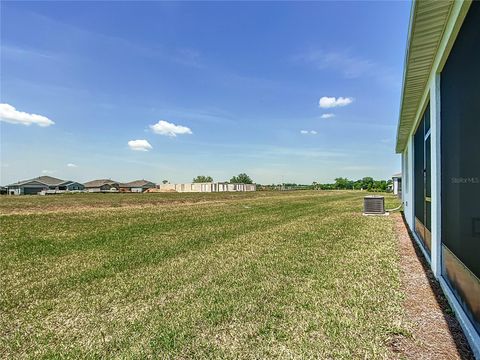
(256, 275)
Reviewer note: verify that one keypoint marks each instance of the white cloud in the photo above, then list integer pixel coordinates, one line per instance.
(331, 102)
(327, 116)
(139, 145)
(70, 165)
(49, 171)
(11, 115)
(165, 128)
(306, 132)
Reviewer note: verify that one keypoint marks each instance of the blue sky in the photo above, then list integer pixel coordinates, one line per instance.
(237, 86)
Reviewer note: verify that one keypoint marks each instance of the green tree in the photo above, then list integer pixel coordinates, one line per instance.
(327, 186)
(203, 179)
(357, 185)
(367, 183)
(241, 179)
(343, 183)
(380, 185)
(165, 182)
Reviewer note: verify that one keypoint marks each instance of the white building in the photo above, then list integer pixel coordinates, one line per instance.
(207, 187)
(439, 139)
(397, 184)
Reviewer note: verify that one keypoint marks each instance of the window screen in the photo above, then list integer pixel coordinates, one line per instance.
(460, 143)
(460, 165)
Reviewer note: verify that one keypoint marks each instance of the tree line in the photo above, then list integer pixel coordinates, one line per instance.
(366, 183)
(239, 179)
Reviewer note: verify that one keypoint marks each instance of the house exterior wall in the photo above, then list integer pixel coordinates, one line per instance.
(34, 187)
(30, 188)
(397, 183)
(250, 187)
(407, 193)
(14, 191)
(465, 302)
(103, 188)
(92, 190)
(207, 187)
(75, 187)
(166, 187)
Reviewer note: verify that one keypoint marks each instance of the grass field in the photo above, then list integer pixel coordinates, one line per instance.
(249, 275)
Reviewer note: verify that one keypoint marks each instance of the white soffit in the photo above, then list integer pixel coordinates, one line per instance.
(427, 25)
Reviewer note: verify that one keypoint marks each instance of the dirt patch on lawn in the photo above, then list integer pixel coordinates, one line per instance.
(435, 332)
(73, 208)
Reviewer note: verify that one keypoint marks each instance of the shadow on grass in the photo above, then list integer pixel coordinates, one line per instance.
(463, 348)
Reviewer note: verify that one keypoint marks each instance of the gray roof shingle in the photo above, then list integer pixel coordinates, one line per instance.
(47, 180)
(100, 183)
(138, 183)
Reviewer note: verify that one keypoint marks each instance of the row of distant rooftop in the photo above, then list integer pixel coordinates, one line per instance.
(51, 185)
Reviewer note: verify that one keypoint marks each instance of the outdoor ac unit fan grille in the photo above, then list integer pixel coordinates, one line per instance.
(373, 204)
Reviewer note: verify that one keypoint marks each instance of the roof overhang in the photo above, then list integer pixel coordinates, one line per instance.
(33, 182)
(428, 21)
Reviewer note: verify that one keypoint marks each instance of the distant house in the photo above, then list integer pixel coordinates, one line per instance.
(102, 185)
(137, 186)
(45, 184)
(207, 187)
(397, 184)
